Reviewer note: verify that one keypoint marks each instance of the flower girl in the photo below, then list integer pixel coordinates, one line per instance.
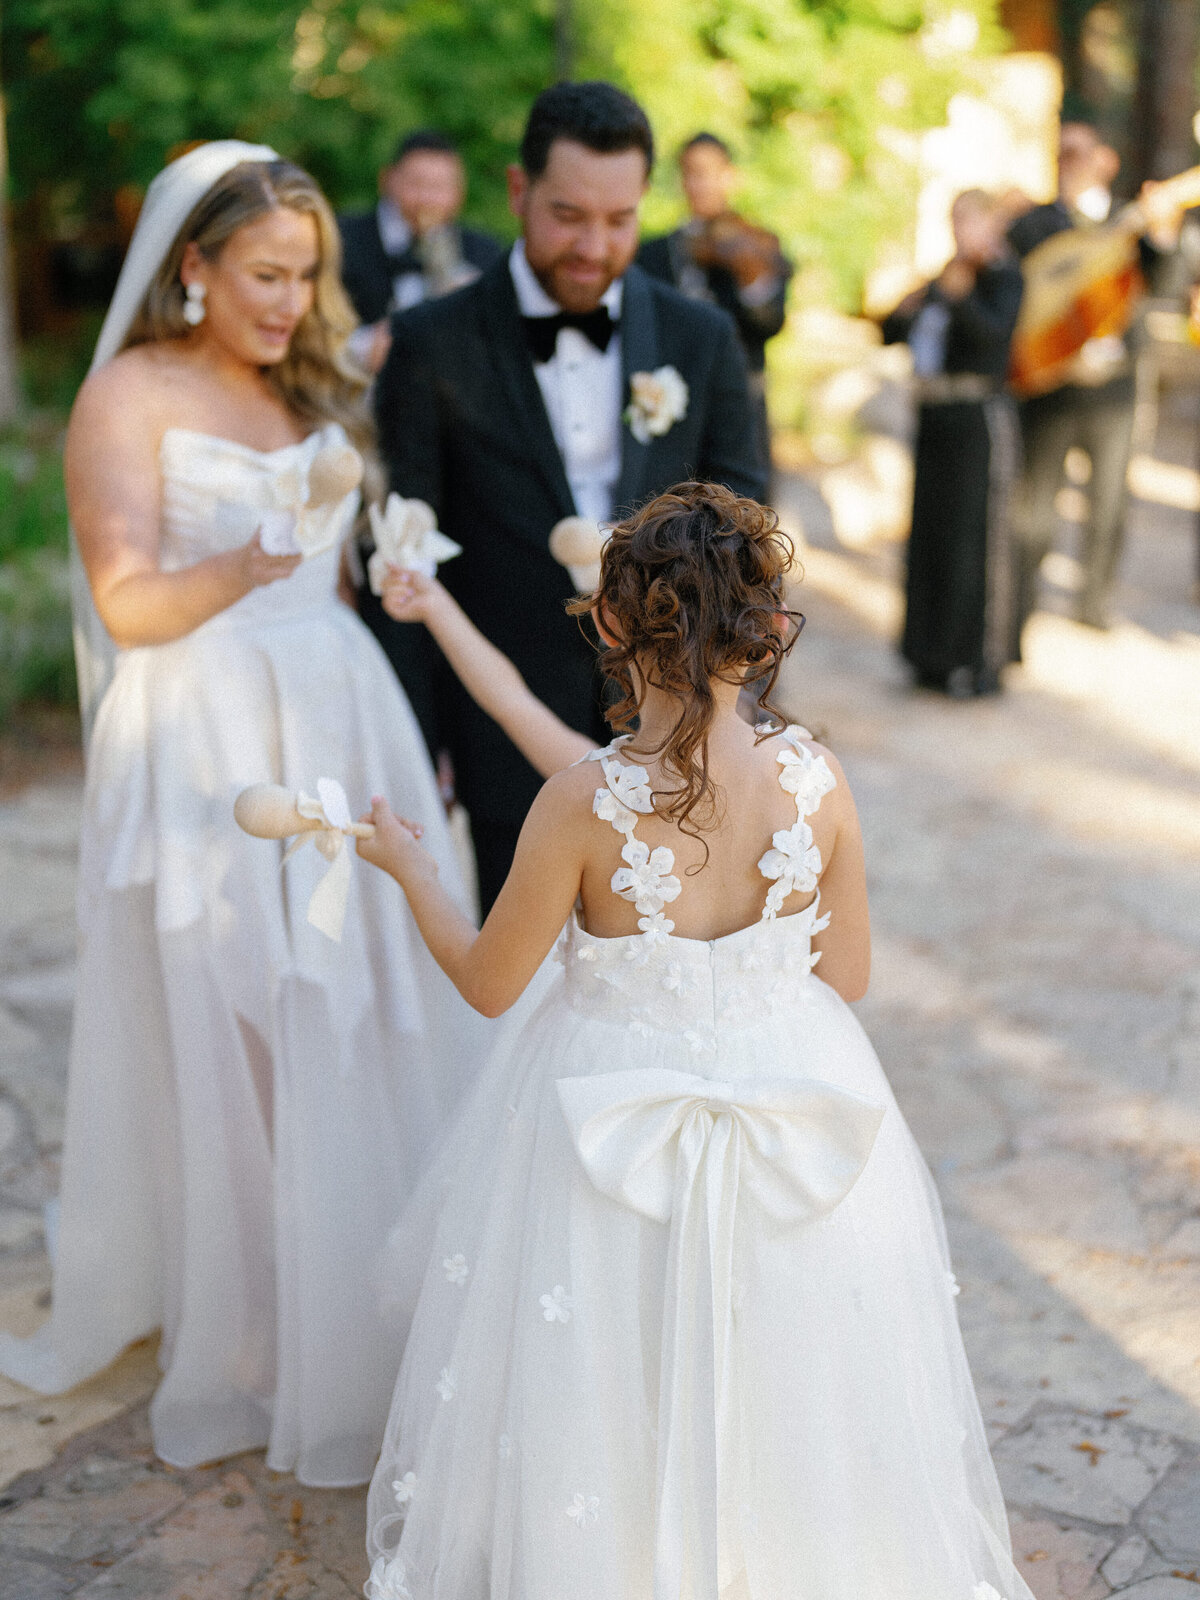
(686, 1327)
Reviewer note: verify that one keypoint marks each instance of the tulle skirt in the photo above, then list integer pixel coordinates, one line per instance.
(656, 1356)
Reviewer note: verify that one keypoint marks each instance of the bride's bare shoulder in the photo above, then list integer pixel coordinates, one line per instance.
(131, 390)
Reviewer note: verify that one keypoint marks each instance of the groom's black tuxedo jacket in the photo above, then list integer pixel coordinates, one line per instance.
(462, 424)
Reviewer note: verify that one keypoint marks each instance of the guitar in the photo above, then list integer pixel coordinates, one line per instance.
(1083, 284)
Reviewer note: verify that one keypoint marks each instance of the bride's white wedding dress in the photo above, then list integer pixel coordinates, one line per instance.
(249, 1103)
(687, 1326)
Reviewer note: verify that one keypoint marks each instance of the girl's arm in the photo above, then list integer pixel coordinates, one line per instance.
(486, 673)
(845, 945)
(113, 492)
(492, 966)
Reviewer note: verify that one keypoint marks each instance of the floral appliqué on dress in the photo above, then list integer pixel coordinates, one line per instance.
(794, 862)
(648, 879)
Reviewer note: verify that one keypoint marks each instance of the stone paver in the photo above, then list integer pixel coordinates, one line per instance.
(1035, 879)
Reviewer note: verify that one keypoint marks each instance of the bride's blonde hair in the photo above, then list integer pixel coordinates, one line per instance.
(315, 379)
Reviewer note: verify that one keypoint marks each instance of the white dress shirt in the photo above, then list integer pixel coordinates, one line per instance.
(582, 390)
(408, 288)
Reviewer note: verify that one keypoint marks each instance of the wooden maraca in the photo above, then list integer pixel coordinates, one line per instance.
(269, 811)
(336, 470)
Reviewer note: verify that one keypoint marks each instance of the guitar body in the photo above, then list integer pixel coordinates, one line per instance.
(1080, 284)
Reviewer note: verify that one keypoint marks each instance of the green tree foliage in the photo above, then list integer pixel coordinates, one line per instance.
(100, 90)
(822, 99)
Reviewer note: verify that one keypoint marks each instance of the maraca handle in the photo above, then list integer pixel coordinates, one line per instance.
(268, 811)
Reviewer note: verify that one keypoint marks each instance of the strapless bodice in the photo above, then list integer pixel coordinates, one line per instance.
(214, 493)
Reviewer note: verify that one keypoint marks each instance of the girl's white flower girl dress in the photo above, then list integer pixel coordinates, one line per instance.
(687, 1327)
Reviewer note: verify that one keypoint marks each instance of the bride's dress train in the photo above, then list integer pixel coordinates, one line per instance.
(685, 1322)
(249, 1104)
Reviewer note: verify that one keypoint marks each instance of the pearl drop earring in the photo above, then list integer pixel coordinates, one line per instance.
(193, 305)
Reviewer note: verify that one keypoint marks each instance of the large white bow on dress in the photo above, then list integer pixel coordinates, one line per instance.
(694, 1153)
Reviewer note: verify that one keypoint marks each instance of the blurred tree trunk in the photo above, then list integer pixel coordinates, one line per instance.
(9, 392)
(1165, 104)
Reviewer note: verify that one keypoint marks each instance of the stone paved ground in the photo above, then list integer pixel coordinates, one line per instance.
(1035, 873)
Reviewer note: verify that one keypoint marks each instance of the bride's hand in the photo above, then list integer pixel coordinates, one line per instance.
(410, 596)
(258, 568)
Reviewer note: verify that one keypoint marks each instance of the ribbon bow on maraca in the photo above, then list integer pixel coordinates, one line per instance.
(268, 811)
(300, 521)
(406, 535)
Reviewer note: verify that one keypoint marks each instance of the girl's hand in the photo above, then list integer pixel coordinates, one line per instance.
(410, 596)
(395, 847)
(258, 568)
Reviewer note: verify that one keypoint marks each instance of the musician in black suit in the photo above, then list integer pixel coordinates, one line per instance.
(411, 246)
(720, 256)
(506, 406)
(1093, 411)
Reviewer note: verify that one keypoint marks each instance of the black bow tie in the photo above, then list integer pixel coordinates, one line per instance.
(541, 333)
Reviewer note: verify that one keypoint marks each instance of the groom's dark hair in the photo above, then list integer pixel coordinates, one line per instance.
(597, 115)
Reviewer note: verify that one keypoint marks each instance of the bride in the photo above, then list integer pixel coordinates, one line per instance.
(248, 1101)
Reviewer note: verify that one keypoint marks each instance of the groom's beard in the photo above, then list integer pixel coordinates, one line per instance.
(575, 293)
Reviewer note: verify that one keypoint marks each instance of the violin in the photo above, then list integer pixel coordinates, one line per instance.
(744, 250)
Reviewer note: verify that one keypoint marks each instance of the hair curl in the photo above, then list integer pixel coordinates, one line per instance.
(692, 589)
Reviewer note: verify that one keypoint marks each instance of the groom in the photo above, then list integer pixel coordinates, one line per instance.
(504, 404)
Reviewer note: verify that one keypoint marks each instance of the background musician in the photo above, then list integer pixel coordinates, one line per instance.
(959, 565)
(411, 246)
(720, 256)
(1093, 409)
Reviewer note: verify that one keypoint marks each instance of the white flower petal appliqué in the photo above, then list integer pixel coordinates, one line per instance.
(630, 785)
(953, 1284)
(404, 1488)
(805, 776)
(456, 1269)
(678, 980)
(584, 1509)
(647, 880)
(609, 809)
(985, 1591)
(447, 1384)
(388, 1580)
(557, 1305)
(656, 927)
(794, 861)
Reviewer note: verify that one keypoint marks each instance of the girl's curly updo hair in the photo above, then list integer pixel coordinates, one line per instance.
(692, 588)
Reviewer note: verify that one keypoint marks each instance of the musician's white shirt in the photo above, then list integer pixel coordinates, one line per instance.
(408, 288)
(581, 387)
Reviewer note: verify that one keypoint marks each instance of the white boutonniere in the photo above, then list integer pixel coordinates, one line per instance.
(406, 535)
(657, 401)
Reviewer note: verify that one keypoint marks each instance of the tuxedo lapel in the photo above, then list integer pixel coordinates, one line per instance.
(507, 348)
(639, 353)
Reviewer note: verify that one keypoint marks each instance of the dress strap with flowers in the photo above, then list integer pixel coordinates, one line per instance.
(793, 863)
